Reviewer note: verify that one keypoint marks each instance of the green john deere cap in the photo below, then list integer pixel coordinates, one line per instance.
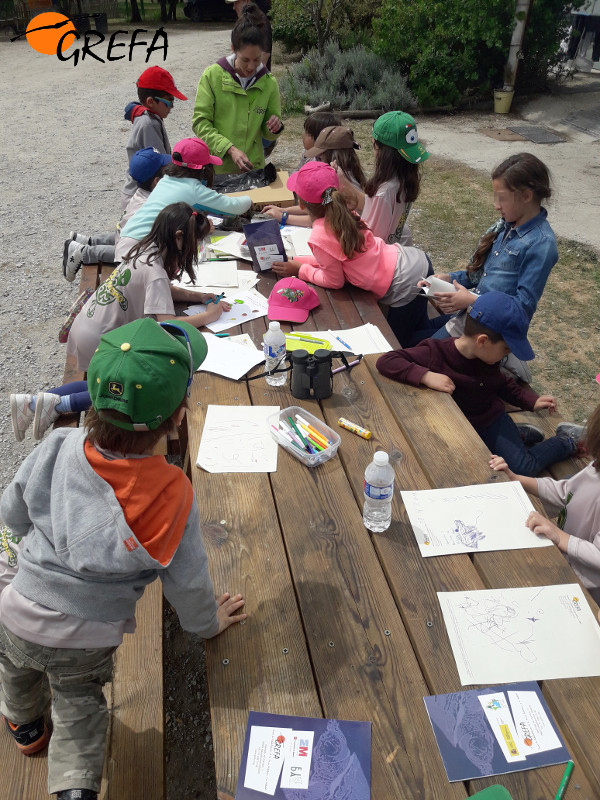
(143, 369)
(398, 129)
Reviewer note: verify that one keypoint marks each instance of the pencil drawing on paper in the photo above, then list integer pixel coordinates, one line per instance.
(504, 624)
(467, 535)
(235, 443)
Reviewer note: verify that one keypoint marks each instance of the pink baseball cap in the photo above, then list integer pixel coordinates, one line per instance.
(194, 154)
(291, 299)
(311, 180)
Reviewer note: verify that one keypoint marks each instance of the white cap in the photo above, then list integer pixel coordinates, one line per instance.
(274, 326)
(381, 458)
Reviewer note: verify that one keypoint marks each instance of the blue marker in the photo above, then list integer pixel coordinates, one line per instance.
(217, 299)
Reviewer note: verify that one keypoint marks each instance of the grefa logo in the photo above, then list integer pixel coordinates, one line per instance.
(51, 33)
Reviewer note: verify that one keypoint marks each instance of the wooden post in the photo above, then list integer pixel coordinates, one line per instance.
(522, 10)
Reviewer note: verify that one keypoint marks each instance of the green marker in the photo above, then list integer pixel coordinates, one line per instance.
(565, 779)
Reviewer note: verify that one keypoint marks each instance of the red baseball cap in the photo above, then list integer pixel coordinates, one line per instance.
(194, 154)
(291, 299)
(160, 80)
(311, 180)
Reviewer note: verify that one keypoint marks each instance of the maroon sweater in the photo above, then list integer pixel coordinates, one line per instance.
(480, 387)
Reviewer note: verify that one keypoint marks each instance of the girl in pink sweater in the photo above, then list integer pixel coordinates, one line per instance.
(576, 503)
(344, 249)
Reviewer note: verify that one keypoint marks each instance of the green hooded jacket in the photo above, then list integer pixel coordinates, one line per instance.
(225, 114)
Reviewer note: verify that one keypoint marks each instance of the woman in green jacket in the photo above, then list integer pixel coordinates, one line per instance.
(237, 102)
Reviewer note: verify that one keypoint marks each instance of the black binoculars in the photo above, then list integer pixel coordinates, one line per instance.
(311, 374)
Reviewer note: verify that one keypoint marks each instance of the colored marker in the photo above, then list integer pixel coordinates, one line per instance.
(340, 340)
(302, 439)
(314, 431)
(287, 438)
(341, 369)
(222, 335)
(313, 438)
(565, 779)
(310, 339)
(217, 299)
(290, 434)
(352, 426)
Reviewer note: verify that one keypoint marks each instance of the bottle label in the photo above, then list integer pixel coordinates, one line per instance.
(273, 352)
(379, 492)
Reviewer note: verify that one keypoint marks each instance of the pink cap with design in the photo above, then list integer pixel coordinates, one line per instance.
(194, 154)
(291, 299)
(312, 180)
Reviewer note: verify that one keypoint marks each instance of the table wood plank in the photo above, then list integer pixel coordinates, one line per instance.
(246, 554)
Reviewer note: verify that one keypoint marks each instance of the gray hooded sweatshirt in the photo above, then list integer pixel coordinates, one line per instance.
(72, 558)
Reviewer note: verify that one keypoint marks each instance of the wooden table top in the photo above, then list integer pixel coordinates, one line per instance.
(344, 623)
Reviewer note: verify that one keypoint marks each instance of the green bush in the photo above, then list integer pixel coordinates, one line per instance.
(293, 22)
(459, 47)
(350, 79)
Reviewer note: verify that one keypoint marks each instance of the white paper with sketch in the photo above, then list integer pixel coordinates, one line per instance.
(526, 634)
(470, 519)
(219, 274)
(437, 285)
(246, 280)
(365, 339)
(228, 358)
(245, 306)
(237, 439)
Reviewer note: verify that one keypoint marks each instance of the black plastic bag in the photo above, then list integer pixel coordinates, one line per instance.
(255, 179)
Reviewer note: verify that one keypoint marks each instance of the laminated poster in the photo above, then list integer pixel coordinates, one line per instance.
(492, 731)
(304, 758)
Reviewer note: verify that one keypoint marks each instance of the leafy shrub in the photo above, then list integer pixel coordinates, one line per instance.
(457, 47)
(350, 79)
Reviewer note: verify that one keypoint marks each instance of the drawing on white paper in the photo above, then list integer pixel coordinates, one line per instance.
(471, 518)
(237, 439)
(504, 623)
(468, 535)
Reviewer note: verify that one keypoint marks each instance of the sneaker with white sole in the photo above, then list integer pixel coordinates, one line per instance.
(530, 434)
(45, 413)
(574, 433)
(79, 237)
(21, 414)
(72, 259)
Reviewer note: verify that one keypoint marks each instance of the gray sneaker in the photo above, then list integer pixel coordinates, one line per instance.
(79, 237)
(530, 434)
(72, 259)
(574, 433)
(45, 413)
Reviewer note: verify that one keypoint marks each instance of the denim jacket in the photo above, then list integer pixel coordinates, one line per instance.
(518, 263)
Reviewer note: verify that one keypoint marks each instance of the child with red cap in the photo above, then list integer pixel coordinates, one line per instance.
(156, 93)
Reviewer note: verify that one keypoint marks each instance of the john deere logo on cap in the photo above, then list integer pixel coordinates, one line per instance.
(115, 388)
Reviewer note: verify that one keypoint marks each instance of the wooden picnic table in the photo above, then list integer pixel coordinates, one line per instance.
(344, 623)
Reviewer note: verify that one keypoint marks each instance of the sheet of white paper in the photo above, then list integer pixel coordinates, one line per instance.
(470, 519)
(216, 221)
(299, 238)
(525, 634)
(217, 274)
(534, 730)
(245, 339)
(497, 712)
(365, 339)
(245, 306)
(266, 749)
(246, 279)
(287, 230)
(237, 439)
(437, 285)
(230, 244)
(298, 757)
(228, 358)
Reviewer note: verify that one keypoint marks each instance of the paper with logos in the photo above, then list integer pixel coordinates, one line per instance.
(291, 757)
(522, 634)
(484, 732)
(471, 519)
(229, 358)
(245, 306)
(238, 439)
(365, 339)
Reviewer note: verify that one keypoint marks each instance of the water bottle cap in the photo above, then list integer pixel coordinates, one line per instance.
(381, 458)
(274, 326)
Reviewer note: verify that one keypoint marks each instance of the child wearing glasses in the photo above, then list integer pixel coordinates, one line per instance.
(99, 518)
(156, 94)
(139, 287)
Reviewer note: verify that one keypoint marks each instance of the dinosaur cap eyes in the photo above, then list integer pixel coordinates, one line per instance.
(412, 137)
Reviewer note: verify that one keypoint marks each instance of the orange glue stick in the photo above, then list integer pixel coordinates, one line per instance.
(352, 426)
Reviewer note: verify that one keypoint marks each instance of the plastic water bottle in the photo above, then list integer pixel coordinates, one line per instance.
(274, 350)
(379, 490)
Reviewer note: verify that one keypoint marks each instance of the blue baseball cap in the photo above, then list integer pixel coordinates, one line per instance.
(502, 313)
(144, 164)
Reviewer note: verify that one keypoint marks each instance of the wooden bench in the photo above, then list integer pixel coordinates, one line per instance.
(134, 764)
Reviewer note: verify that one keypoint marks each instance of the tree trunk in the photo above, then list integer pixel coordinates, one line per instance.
(135, 12)
(523, 7)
